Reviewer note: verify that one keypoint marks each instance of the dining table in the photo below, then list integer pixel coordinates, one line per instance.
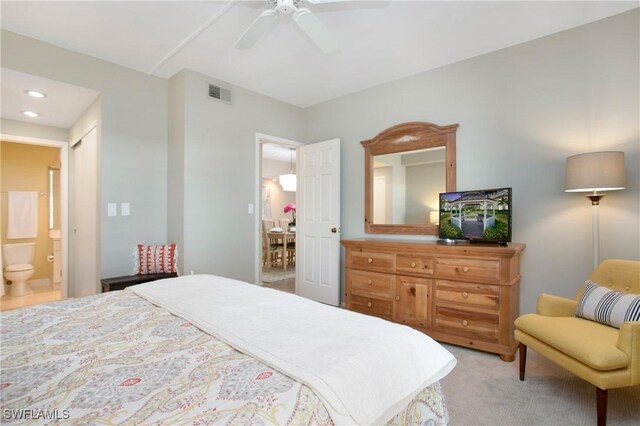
(287, 237)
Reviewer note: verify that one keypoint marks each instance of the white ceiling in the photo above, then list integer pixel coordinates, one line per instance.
(278, 153)
(61, 108)
(379, 41)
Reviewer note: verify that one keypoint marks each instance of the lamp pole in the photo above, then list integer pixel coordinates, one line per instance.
(595, 216)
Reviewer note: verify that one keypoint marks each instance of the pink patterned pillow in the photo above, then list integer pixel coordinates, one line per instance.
(156, 259)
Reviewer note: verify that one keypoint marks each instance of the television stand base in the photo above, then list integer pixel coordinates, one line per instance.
(489, 242)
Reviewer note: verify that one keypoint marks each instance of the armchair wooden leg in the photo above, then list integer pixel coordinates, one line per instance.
(522, 349)
(601, 397)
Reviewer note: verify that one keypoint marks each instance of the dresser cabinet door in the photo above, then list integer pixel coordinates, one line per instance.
(412, 301)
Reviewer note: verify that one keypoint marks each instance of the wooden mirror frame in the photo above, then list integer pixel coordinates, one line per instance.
(402, 138)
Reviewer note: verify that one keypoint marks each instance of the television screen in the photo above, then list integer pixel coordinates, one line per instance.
(483, 215)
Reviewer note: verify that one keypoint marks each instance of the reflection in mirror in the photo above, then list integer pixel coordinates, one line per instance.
(406, 168)
(406, 186)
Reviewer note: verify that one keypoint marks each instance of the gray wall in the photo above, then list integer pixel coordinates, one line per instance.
(133, 156)
(220, 172)
(522, 111)
(176, 166)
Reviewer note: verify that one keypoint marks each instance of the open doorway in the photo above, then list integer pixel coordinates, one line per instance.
(34, 173)
(276, 213)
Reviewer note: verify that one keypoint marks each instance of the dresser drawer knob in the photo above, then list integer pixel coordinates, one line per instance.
(368, 304)
(370, 260)
(465, 323)
(626, 288)
(370, 281)
(465, 269)
(413, 264)
(465, 294)
(397, 298)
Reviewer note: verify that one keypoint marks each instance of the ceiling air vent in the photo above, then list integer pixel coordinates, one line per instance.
(220, 93)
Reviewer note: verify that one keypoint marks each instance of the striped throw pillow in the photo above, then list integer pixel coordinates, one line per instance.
(156, 259)
(608, 306)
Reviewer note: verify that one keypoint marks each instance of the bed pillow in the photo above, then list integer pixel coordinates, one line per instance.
(606, 306)
(159, 259)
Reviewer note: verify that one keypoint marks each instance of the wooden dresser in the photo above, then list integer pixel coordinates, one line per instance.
(465, 294)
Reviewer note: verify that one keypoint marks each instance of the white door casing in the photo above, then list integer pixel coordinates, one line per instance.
(83, 269)
(318, 222)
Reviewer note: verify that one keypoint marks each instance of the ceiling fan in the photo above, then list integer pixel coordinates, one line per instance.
(306, 20)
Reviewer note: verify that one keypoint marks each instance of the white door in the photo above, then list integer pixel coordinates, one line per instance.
(318, 222)
(83, 215)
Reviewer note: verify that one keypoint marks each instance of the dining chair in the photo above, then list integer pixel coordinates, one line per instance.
(271, 248)
(284, 223)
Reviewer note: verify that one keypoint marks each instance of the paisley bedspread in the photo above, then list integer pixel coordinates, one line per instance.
(115, 358)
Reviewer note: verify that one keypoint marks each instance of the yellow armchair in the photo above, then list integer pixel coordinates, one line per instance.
(604, 356)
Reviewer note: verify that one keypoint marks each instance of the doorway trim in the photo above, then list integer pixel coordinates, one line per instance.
(260, 139)
(64, 196)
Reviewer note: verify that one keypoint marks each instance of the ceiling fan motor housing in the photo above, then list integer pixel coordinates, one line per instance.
(285, 6)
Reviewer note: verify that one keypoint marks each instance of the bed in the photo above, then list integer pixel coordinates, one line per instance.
(182, 351)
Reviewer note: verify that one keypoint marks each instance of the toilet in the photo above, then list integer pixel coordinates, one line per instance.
(18, 266)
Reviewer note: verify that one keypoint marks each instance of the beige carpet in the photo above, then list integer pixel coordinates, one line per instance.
(483, 390)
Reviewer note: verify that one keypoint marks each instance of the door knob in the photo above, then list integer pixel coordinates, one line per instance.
(334, 230)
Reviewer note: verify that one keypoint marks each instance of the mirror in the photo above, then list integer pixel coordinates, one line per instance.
(54, 197)
(406, 168)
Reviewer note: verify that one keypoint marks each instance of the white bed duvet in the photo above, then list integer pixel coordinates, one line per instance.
(363, 369)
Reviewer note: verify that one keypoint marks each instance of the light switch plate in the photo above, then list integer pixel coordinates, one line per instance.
(250, 208)
(125, 209)
(112, 209)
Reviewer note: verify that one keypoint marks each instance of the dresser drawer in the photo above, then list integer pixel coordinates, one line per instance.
(411, 264)
(486, 270)
(467, 323)
(373, 284)
(472, 295)
(372, 306)
(374, 261)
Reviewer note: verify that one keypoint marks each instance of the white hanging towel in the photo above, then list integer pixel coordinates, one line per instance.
(22, 214)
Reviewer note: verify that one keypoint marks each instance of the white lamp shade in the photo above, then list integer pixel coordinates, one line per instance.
(288, 182)
(595, 171)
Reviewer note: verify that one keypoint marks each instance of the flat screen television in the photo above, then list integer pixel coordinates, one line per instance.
(477, 216)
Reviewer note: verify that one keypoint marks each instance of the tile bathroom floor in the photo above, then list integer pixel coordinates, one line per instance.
(39, 294)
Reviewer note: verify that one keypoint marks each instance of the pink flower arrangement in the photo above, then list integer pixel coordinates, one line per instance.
(291, 208)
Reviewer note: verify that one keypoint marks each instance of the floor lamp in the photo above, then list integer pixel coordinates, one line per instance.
(593, 172)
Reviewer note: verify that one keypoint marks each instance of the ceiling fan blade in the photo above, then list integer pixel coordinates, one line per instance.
(260, 26)
(315, 29)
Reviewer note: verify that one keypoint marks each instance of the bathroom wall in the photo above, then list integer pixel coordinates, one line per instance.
(25, 167)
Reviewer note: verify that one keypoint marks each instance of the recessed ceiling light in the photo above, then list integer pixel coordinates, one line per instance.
(35, 94)
(31, 114)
